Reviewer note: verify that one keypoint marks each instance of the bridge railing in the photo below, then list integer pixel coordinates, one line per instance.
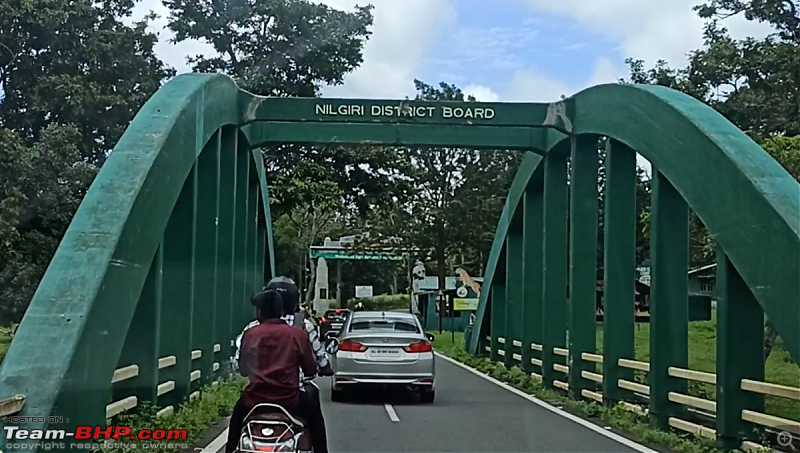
(13, 406)
(538, 309)
(705, 408)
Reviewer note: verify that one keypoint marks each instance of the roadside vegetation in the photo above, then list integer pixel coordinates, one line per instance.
(5, 342)
(634, 426)
(702, 343)
(779, 368)
(214, 404)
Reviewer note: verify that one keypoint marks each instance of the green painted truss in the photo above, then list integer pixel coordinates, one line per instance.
(153, 277)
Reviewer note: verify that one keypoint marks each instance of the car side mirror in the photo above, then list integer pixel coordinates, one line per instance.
(430, 337)
(332, 345)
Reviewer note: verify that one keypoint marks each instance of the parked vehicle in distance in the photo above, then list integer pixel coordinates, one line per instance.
(332, 321)
(386, 349)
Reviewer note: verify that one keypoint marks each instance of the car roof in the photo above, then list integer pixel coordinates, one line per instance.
(383, 314)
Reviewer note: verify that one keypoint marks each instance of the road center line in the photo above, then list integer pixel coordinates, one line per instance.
(392, 414)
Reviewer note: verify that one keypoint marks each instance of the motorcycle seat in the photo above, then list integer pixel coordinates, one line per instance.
(274, 413)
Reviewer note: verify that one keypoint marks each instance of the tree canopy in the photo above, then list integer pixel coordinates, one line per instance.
(74, 74)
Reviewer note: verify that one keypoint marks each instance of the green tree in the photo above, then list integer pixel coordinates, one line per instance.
(72, 76)
(478, 203)
(75, 63)
(293, 48)
(459, 196)
(295, 232)
(41, 187)
(274, 47)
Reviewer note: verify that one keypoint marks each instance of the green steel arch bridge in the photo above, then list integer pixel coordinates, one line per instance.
(153, 277)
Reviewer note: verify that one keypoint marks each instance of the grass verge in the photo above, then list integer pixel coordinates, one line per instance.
(779, 369)
(5, 341)
(196, 416)
(638, 427)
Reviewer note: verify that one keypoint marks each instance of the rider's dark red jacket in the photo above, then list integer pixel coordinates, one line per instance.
(271, 356)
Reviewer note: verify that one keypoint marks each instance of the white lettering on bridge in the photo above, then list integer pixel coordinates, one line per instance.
(405, 110)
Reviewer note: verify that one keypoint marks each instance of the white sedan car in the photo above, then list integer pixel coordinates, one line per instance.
(384, 349)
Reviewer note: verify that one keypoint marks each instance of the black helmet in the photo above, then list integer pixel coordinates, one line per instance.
(288, 290)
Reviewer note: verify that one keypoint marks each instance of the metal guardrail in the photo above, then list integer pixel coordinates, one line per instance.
(14, 405)
(700, 411)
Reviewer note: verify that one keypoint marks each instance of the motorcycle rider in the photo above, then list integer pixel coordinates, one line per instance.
(272, 355)
(290, 296)
(359, 307)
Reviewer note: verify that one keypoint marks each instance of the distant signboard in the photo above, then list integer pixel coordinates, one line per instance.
(353, 255)
(460, 304)
(467, 294)
(363, 292)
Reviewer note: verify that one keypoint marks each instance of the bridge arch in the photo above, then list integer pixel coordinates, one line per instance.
(177, 226)
(750, 204)
(704, 157)
(141, 251)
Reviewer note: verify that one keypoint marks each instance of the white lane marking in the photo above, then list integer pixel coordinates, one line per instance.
(217, 444)
(616, 437)
(392, 414)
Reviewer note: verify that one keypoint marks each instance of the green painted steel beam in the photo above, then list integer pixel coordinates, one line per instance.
(619, 264)
(582, 260)
(390, 111)
(657, 122)
(388, 134)
(669, 301)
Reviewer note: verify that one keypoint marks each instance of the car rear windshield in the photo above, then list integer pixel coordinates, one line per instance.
(333, 316)
(383, 324)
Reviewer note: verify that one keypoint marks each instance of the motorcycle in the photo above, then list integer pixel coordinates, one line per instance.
(271, 428)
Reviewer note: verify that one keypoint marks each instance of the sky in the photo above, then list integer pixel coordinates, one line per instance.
(502, 50)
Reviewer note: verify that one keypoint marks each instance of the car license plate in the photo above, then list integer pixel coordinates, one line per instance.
(385, 352)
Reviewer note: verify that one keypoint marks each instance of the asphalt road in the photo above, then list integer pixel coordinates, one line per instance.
(470, 414)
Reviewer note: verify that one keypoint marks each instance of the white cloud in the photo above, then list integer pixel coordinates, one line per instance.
(402, 33)
(646, 29)
(530, 85)
(172, 54)
(482, 93)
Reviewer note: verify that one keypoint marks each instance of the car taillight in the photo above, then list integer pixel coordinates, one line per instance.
(422, 346)
(323, 319)
(351, 346)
